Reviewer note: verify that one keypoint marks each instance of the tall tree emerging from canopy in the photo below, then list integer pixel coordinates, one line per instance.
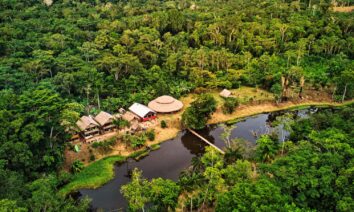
(199, 112)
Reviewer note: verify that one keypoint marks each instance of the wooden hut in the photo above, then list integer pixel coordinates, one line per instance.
(105, 120)
(142, 112)
(88, 127)
(165, 104)
(225, 93)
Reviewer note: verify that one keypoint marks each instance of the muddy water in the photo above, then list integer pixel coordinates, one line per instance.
(174, 156)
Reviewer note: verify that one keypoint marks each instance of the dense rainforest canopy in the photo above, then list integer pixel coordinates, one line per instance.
(58, 62)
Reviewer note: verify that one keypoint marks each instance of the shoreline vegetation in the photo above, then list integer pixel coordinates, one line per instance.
(89, 178)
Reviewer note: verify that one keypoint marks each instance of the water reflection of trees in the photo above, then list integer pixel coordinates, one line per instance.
(193, 144)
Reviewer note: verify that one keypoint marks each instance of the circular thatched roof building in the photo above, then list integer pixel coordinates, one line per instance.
(165, 104)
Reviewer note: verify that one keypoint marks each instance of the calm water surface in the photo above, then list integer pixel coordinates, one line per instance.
(174, 156)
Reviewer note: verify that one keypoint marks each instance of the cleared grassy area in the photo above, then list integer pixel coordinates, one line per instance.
(99, 172)
(94, 175)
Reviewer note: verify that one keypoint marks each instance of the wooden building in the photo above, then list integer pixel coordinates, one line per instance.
(88, 127)
(105, 120)
(142, 112)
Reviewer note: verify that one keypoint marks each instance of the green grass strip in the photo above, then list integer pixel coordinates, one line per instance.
(94, 175)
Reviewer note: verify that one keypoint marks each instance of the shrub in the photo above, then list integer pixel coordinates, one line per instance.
(135, 141)
(77, 166)
(151, 135)
(230, 104)
(105, 146)
(163, 124)
(121, 123)
(92, 158)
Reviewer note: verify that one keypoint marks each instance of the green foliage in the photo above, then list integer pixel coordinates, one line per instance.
(199, 112)
(136, 192)
(92, 158)
(164, 193)
(105, 146)
(150, 135)
(135, 141)
(267, 148)
(92, 176)
(230, 104)
(7, 205)
(237, 172)
(121, 123)
(262, 195)
(77, 166)
(163, 124)
(277, 91)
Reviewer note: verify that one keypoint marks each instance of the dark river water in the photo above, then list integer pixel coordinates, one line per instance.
(174, 156)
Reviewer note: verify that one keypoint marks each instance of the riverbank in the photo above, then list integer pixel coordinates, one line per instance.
(102, 170)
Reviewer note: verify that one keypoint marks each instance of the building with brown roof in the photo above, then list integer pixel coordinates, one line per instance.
(88, 126)
(105, 120)
(165, 104)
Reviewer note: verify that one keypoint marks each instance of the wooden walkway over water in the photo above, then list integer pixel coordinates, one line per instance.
(206, 141)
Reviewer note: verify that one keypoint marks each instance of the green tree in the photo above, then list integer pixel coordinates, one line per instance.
(266, 149)
(230, 104)
(7, 205)
(262, 195)
(136, 192)
(164, 193)
(199, 112)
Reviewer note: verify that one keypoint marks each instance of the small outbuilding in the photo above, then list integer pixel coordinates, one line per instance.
(105, 120)
(225, 93)
(142, 112)
(88, 127)
(165, 104)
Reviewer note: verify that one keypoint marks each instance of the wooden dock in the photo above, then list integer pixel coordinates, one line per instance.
(206, 141)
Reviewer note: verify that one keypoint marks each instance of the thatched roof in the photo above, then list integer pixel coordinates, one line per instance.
(86, 122)
(165, 104)
(128, 116)
(104, 118)
(225, 93)
(140, 110)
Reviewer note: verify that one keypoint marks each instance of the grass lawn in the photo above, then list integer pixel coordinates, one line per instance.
(94, 175)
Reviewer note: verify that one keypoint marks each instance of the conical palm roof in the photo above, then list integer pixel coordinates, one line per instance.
(165, 104)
